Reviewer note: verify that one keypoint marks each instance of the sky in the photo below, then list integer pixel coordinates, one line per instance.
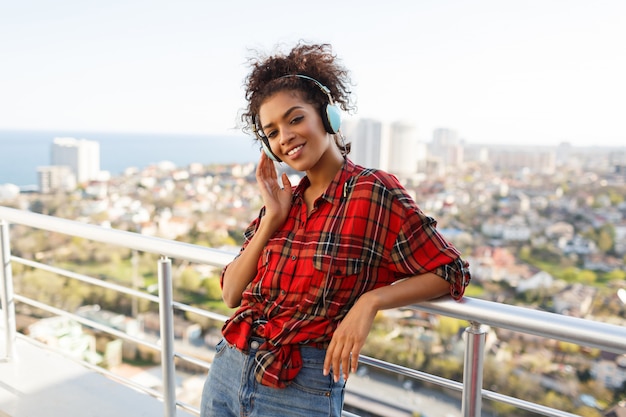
(496, 71)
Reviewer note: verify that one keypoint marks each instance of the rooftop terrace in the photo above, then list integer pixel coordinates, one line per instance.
(36, 379)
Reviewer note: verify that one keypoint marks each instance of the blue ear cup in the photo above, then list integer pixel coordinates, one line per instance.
(268, 151)
(332, 121)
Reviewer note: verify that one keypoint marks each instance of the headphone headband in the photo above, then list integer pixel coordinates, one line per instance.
(321, 86)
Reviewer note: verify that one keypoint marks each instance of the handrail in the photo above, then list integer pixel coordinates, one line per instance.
(131, 240)
(579, 331)
(477, 312)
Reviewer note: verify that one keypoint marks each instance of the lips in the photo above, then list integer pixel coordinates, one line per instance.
(295, 150)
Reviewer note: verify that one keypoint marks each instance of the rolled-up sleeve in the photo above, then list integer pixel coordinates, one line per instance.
(420, 248)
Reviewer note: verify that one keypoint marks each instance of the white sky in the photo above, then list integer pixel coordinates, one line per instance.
(497, 71)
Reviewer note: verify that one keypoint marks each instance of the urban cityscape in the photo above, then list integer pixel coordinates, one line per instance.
(542, 227)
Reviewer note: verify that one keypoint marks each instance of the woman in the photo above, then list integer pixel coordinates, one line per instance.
(318, 262)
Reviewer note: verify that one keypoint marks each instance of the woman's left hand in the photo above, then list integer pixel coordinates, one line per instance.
(348, 339)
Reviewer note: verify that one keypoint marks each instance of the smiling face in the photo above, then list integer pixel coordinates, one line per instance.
(296, 133)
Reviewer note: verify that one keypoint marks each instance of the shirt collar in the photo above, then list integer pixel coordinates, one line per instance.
(334, 192)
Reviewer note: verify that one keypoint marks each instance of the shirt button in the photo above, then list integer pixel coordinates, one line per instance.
(254, 344)
(293, 257)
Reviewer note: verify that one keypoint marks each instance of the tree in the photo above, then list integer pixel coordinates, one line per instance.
(606, 238)
(554, 400)
(616, 197)
(616, 275)
(568, 348)
(190, 280)
(449, 326)
(570, 274)
(587, 277)
(587, 412)
(212, 288)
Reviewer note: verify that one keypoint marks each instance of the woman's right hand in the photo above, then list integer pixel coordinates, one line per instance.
(242, 270)
(277, 199)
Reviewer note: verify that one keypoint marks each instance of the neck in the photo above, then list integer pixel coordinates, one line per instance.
(324, 172)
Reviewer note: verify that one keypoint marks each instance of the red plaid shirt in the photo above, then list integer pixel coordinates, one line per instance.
(365, 232)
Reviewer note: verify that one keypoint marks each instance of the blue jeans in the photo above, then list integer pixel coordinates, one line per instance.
(231, 389)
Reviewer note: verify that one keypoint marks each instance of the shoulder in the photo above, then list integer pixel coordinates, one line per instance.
(379, 185)
(362, 175)
(381, 177)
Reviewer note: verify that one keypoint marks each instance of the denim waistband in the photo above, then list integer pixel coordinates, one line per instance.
(307, 352)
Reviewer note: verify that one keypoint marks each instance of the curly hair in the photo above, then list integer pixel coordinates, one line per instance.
(267, 77)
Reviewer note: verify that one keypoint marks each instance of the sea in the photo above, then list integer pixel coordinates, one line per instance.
(21, 152)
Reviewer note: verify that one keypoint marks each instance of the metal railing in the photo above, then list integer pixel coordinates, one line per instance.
(478, 312)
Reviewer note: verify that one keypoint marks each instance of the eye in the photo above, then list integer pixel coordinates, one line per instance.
(271, 134)
(296, 120)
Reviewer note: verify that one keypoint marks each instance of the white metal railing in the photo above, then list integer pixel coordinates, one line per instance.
(478, 312)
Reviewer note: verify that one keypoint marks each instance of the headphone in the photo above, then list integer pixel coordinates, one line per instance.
(331, 117)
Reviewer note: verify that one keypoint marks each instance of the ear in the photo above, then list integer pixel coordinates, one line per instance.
(268, 151)
(332, 121)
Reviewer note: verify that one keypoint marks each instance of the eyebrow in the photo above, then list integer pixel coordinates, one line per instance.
(285, 115)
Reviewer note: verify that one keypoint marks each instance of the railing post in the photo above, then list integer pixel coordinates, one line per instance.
(473, 370)
(7, 302)
(166, 313)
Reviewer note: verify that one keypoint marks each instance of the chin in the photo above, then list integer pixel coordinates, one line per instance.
(299, 166)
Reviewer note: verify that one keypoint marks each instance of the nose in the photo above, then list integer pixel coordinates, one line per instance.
(286, 135)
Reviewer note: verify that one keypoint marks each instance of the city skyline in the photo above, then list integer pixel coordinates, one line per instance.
(513, 73)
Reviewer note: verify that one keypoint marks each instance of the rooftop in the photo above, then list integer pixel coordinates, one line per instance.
(37, 380)
(42, 382)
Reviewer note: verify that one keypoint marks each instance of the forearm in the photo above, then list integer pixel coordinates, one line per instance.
(242, 270)
(277, 203)
(409, 291)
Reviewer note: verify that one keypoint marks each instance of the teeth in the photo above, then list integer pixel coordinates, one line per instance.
(294, 150)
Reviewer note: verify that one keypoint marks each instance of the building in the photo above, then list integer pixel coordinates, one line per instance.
(447, 147)
(610, 370)
(55, 178)
(405, 151)
(512, 160)
(80, 155)
(365, 137)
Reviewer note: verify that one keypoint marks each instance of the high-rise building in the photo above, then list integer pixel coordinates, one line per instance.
(80, 155)
(617, 162)
(404, 149)
(447, 147)
(365, 137)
